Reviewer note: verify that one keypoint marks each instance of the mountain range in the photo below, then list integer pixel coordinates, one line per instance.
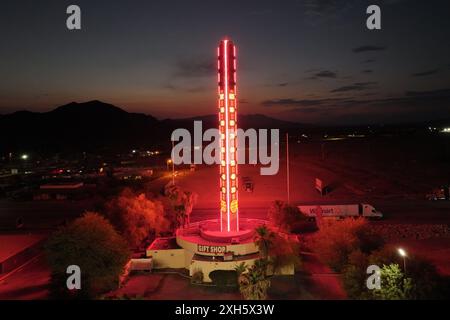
(96, 126)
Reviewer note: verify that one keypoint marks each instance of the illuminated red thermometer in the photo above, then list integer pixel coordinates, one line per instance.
(227, 103)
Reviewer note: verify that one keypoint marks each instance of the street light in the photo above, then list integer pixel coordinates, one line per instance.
(24, 157)
(403, 254)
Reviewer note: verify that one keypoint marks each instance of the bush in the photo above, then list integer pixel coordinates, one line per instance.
(253, 284)
(91, 243)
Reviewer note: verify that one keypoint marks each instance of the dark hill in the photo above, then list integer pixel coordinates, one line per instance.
(97, 126)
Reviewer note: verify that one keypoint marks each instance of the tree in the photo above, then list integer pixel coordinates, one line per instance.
(336, 240)
(136, 216)
(91, 243)
(354, 276)
(394, 284)
(284, 216)
(264, 240)
(182, 203)
(240, 268)
(427, 283)
(284, 251)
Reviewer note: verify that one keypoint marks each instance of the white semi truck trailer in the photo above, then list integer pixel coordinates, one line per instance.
(341, 211)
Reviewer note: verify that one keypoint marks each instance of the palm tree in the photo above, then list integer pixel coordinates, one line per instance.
(240, 268)
(182, 203)
(264, 240)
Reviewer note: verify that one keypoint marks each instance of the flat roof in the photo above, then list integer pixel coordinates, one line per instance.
(62, 185)
(15, 243)
(164, 244)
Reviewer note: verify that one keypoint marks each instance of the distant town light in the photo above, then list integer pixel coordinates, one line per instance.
(446, 130)
(24, 157)
(401, 252)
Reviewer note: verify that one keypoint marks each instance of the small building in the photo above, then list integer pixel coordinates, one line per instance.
(201, 247)
(63, 191)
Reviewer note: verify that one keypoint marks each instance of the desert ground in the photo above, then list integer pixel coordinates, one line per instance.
(391, 173)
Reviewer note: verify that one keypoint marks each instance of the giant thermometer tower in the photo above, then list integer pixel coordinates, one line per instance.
(227, 104)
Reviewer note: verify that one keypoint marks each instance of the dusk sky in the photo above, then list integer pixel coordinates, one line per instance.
(311, 61)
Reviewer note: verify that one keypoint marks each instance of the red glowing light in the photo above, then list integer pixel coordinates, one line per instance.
(227, 104)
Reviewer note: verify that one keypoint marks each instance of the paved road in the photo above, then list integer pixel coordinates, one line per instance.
(395, 211)
(29, 282)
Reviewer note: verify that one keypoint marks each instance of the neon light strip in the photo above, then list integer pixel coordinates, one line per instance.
(227, 138)
(235, 138)
(218, 95)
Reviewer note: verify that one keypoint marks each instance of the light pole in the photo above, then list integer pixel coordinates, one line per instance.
(287, 168)
(403, 254)
(173, 164)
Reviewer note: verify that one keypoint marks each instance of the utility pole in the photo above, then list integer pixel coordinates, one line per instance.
(287, 168)
(322, 147)
(173, 164)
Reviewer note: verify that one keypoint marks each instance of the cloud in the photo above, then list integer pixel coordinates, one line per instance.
(369, 61)
(185, 88)
(367, 71)
(358, 86)
(411, 107)
(289, 102)
(327, 74)
(194, 67)
(368, 48)
(431, 93)
(320, 11)
(425, 73)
